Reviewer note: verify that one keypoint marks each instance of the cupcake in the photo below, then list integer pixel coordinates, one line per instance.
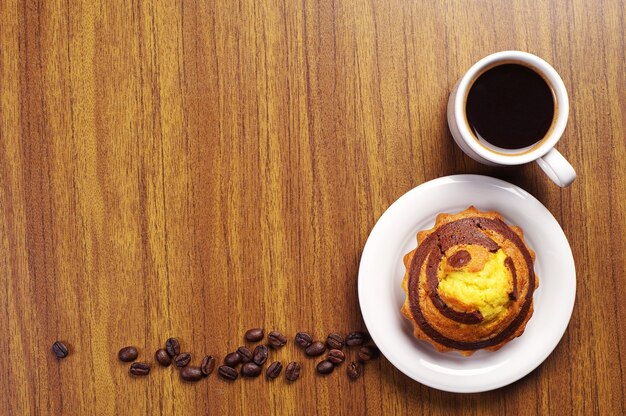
(469, 284)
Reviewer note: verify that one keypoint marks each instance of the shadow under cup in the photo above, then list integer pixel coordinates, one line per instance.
(510, 108)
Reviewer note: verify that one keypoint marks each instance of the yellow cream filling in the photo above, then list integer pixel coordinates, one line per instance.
(486, 290)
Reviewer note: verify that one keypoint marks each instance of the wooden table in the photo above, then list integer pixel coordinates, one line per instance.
(197, 168)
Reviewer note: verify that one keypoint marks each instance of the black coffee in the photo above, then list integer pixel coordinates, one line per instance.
(510, 106)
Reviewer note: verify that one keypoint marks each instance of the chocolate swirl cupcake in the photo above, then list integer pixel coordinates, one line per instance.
(469, 282)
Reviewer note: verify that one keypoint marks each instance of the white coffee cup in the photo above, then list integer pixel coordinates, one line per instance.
(543, 152)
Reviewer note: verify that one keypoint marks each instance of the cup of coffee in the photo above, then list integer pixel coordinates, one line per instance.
(511, 108)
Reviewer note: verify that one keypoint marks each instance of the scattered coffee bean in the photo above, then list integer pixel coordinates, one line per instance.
(274, 370)
(354, 370)
(368, 352)
(250, 370)
(293, 371)
(356, 338)
(336, 356)
(163, 357)
(232, 359)
(325, 367)
(191, 373)
(334, 341)
(227, 373)
(172, 347)
(60, 349)
(315, 349)
(260, 355)
(303, 339)
(208, 365)
(254, 335)
(253, 361)
(245, 354)
(128, 354)
(276, 339)
(139, 369)
(182, 359)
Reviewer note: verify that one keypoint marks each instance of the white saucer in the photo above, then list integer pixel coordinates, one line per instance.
(381, 295)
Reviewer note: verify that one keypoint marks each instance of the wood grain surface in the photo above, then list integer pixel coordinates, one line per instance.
(197, 168)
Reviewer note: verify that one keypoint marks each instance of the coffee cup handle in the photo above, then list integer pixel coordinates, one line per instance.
(557, 168)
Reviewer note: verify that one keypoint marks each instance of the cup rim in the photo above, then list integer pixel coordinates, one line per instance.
(537, 64)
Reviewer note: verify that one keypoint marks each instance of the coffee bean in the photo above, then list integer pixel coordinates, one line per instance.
(245, 354)
(182, 359)
(276, 339)
(250, 370)
(163, 357)
(60, 349)
(172, 347)
(227, 373)
(139, 369)
(128, 354)
(303, 339)
(254, 334)
(315, 349)
(354, 370)
(368, 352)
(334, 341)
(325, 367)
(274, 370)
(293, 371)
(191, 373)
(208, 365)
(260, 355)
(232, 359)
(356, 338)
(336, 356)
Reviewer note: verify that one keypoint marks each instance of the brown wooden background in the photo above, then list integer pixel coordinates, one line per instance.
(195, 168)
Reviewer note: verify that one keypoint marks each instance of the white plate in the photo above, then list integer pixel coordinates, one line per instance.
(381, 295)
